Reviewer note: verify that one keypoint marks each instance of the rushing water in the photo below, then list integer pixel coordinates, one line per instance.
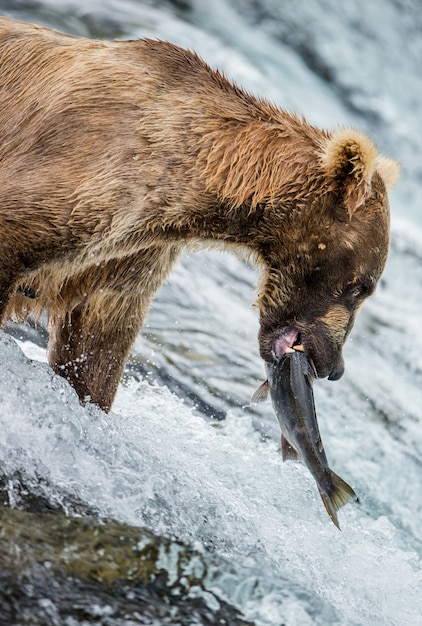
(218, 484)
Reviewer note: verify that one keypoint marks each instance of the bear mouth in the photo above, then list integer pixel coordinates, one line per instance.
(325, 361)
(287, 339)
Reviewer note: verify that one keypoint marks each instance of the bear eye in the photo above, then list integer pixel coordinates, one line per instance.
(358, 291)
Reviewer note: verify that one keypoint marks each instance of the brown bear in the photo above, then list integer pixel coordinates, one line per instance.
(115, 156)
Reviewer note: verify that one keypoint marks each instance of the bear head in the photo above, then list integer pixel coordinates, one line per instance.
(324, 249)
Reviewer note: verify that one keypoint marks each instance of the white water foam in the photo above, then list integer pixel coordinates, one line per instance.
(152, 463)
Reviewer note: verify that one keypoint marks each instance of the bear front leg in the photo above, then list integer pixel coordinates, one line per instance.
(91, 354)
(89, 342)
(10, 270)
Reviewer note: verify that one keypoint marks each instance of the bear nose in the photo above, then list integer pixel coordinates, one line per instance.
(337, 372)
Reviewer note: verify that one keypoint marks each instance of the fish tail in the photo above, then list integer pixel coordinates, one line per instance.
(336, 496)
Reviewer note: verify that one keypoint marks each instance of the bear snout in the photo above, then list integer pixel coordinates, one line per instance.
(337, 372)
(324, 350)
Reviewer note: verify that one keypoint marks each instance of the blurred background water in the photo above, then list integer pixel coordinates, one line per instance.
(183, 454)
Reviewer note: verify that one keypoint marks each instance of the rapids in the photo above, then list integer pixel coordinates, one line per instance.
(183, 456)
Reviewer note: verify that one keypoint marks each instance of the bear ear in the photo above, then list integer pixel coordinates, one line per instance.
(350, 160)
(389, 170)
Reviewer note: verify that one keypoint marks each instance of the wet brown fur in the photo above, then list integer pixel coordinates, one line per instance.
(116, 155)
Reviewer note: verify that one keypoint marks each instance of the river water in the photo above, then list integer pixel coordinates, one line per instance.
(183, 454)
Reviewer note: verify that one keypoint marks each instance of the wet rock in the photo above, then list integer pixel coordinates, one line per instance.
(61, 571)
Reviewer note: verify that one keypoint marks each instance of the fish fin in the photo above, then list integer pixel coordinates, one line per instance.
(261, 394)
(288, 452)
(341, 494)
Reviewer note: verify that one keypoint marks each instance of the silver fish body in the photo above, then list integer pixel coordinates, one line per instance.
(290, 381)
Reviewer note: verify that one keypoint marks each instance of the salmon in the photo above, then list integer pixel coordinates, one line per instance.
(290, 380)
